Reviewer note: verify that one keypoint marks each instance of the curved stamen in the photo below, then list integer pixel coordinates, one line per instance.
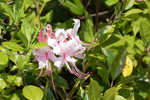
(74, 70)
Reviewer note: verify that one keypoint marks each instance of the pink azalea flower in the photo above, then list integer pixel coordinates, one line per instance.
(67, 45)
(44, 54)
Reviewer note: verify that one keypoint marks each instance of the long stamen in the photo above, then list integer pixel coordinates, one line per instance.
(74, 70)
(78, 73)
(41, 73)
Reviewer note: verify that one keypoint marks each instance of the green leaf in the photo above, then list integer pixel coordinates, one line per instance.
(18, 10)
(105, 33)
(104, 74)
(3, 59)
(18, 81)
(129, 4)
(22, 60)
(110, 56)
(47, 18)
(118, 97)
(15, 97)
(88, 30)
(13, 46)
(83, 94)
(50, 95)
(118, 63)
(14, 80)
(132, 97)
(61, 82)
(139, 47)
(28, 3)
(144, 30)
(133, 11)
(2, 84)
(75, 7)
(32, 92)
(26, 32)
(136, 26)
(110, 2)
(8, 11)
(111, 93)
(94, 90)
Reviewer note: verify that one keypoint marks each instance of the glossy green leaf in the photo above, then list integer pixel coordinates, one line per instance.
(111, 93)
(144, 30)
(3, 59)
(118, 97)
(26, 32)
(2, 84)
(28, 3)
(75, 6)
(104, 74)
(129, 4)
(94, 90)
(105, 33)
(133, 11)
(50, 95)
(15, 97)
(111, 2)
(32, 92)
(12, 46)
(14, 80)
(88, 30)
(22, 60)
(8, 11)
(83, 94)
(61, 82)
(118, 63)
(132, 97)
(136, 26)
(110, 56)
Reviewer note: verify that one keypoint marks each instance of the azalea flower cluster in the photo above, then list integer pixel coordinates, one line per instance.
(63, 47)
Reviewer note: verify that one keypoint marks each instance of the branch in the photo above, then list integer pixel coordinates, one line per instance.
(93, 15)
(97, 19)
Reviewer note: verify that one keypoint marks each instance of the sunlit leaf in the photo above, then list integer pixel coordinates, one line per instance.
(133, 11)
(15, 97)
(127, 70)
(2, 84)
(3, 58)
(129, 4)
(75, 7)
(118, 97)
(105, 33)
(144, 30)
(94, 90)
(32, 92)
(111, 93)
(88, 30)
(12, 46)
(118, 63)
(111, 2)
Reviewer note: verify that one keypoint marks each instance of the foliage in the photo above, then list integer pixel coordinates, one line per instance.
(117, 57)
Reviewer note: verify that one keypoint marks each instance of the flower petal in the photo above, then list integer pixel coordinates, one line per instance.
(76, 26)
